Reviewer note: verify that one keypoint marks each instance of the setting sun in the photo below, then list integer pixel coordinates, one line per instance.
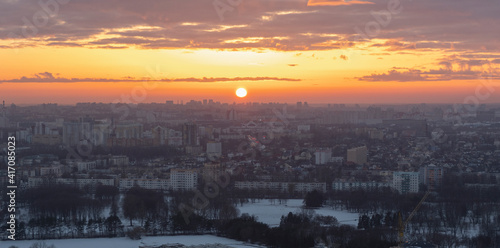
(241, 92)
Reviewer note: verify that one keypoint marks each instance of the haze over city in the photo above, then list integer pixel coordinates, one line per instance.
(249, 123)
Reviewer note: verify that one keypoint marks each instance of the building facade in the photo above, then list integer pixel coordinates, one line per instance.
(183, 179)
(358, 155)
(405, 182)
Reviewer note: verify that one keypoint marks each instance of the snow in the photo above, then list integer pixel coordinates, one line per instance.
(187, 240)
(270, 214)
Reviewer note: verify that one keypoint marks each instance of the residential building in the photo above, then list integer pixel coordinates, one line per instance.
(183, 179)
(190, 134)
(153, 184)
(354, 185)
(358, 155)
(214, 149)
(405, 182)
(280, 186)
(431, 176)
(322, 156)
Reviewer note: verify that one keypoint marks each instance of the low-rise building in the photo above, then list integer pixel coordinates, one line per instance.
(153, 184)
(354, 185)
(281, 186)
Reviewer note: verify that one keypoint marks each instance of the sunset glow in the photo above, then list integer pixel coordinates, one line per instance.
(241, 92)
(317, 51)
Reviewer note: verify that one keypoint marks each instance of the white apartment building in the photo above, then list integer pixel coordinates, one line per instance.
(405, 182)
(322, 156)
(280, 186)
(353, 185)
(183, 179)
(153, 184)
(80, 182)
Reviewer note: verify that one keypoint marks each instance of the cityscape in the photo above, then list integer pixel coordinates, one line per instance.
(249, 123)
(204, 161)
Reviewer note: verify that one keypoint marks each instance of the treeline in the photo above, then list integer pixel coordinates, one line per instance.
(449, 215)
(304, 230)
(384, 199)
(446, 218)
(64, 211)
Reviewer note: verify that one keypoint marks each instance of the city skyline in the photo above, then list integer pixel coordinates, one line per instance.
(249, 123)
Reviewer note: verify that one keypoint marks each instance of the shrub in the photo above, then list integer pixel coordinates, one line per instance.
(135, 233)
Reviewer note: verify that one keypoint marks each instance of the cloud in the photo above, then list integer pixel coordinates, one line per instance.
(343, 57)
(47, 77)
(64, 44)
(446, 73)
(155, 24)
(335, 2)
(292, 65)
(223, 79)
(394, 75)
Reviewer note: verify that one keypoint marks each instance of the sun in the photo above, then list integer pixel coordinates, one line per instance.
(241, 92)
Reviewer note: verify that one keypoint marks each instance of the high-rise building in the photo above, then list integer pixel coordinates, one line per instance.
(190, 134)
(431, 176)
(322, 156)
(358, 155)
(102, 132)
(77, 131)
(4, 122)
(232, 115)
(405, 182)
(183, 179)
(174, 138)
(46, 133)
(128, 130)
(159, 135)
(214, 149)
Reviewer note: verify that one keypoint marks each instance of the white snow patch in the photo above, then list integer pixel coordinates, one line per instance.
(123, 242)
(270, 214)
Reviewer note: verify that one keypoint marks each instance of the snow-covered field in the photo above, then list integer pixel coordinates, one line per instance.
(187, 240)
(270, 214)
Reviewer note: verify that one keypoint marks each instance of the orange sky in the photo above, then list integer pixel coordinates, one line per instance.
(262, 47)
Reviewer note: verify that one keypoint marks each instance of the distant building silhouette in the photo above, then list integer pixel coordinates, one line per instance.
(190, 134)
(77, 131)
(431, 176)
(358, 155)
(214, 149)
(322, 156)
(409, 127)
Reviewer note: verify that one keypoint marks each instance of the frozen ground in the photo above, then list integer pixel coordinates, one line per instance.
(270, 214)
(187, 240)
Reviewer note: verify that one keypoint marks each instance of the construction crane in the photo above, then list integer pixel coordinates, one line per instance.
(402, 225)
